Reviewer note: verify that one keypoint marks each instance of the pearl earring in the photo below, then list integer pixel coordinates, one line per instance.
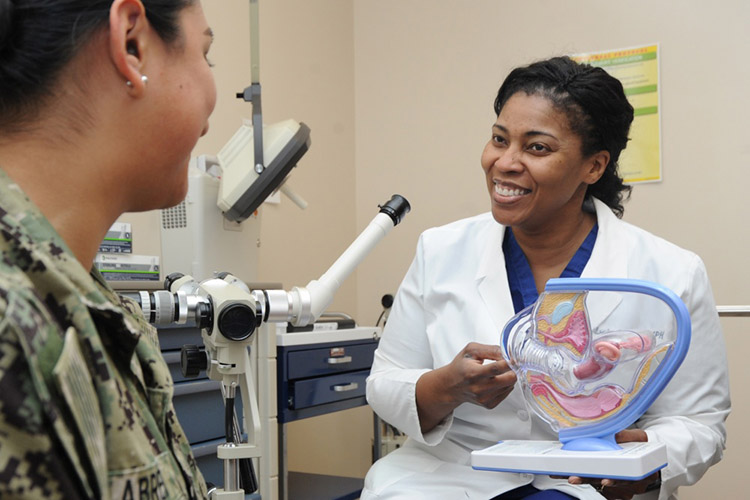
(144, 79)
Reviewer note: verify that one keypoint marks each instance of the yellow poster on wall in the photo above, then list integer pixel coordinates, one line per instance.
(637, 69)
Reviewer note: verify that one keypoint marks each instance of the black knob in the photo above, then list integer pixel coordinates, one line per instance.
(204, 314)
(237, 321)
(192, 361)
(387, 300)
(171, 279)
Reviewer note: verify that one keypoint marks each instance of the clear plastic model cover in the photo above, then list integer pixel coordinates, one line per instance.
(593, 352)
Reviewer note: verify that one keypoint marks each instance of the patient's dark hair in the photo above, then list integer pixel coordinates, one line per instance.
(38, 38)
(596, 107)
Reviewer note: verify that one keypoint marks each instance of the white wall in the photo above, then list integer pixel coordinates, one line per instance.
(426, 73)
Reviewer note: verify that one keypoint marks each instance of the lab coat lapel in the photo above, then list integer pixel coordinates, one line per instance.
(608, 260)
(492, 280)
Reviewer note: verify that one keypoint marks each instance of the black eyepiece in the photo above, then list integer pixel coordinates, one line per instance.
(396, 208)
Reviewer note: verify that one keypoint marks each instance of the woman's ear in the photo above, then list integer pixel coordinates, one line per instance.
(128, 42)
(596, 165)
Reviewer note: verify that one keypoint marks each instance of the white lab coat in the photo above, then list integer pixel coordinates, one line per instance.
(456, 291)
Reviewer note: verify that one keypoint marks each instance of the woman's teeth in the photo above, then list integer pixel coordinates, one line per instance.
(509, 192)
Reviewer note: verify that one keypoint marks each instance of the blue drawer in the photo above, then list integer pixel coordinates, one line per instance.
(211, 467)
(200, 409)
(175, 336)
(322, 390)
(329, 360)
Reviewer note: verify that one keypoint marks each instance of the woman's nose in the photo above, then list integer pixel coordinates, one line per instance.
(509, 160)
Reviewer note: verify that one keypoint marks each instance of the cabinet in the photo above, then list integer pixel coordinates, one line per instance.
(315, 373)
(197, 402)
(320, 373)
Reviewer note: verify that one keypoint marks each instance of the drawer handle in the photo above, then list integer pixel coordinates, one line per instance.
(339, 361)
(346, 387)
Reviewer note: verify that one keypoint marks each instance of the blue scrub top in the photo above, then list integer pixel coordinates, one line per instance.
(521, 281)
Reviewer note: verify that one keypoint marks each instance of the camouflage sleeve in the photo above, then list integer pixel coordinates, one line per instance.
(32, 463)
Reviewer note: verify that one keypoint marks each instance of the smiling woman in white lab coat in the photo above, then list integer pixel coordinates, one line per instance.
(438, 374)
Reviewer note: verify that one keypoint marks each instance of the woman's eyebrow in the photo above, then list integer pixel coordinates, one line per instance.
(527, 134)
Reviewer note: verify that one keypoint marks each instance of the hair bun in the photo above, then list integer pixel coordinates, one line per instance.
(6, 22)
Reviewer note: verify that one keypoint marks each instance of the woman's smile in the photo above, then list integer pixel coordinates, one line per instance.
(507, 193)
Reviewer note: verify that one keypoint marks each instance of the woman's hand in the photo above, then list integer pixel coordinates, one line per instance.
(478, 374)
(617, 488)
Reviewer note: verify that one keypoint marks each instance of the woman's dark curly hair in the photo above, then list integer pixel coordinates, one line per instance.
(596, 107)
(38, 38)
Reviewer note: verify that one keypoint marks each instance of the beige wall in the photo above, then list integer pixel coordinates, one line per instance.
(426, 73)
(398, 96)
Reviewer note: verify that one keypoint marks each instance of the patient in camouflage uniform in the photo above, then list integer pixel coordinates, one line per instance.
(85, 397)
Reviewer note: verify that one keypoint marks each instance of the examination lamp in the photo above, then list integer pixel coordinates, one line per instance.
(251, 174)
(245, 183)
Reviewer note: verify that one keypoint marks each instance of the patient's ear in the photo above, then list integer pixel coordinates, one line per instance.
(128, 41)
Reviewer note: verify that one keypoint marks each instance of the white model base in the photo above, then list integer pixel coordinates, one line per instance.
(634, 461)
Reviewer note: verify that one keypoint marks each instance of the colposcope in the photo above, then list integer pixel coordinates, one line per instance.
(229, 314)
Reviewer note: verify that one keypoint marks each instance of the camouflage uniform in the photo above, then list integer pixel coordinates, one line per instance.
(85, 396)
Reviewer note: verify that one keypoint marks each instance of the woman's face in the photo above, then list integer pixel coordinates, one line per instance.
(536, 174)
(181, 95)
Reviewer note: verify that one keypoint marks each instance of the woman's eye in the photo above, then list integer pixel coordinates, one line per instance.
(498, 139)
(538, 148)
